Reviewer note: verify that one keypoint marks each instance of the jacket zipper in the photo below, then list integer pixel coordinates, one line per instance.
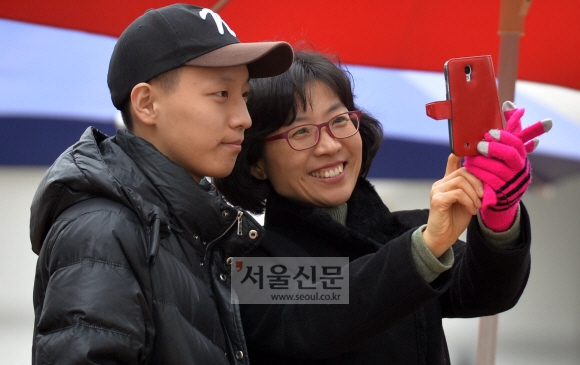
(239, 218)
(239, 232)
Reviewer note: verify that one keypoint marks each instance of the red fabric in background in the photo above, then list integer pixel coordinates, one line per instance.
(412, 34)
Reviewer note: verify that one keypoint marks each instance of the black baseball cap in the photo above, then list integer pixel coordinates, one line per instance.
(182, 34)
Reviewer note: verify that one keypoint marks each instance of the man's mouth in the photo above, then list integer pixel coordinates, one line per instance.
(327, 173)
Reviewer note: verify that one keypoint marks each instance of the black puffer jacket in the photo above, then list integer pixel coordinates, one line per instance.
(132, 260)
(394, 316)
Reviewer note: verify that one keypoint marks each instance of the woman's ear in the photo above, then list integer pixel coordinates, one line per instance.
(258, 170)
(142, 103)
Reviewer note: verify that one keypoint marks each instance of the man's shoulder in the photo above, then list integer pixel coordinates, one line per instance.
(103, 220)
(98, 205)
(97, 228)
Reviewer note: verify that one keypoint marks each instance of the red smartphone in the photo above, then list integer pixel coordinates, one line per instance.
(472, 106)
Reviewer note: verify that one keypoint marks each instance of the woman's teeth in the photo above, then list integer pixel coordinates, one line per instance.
(329, 173)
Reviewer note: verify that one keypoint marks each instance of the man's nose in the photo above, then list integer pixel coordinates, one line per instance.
(241, 117)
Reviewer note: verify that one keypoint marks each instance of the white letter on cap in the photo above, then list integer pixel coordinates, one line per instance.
(218, 21)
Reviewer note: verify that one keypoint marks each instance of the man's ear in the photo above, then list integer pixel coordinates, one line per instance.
(258, 170)
(142, 103)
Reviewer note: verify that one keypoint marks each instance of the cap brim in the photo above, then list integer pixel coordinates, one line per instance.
(264, 59)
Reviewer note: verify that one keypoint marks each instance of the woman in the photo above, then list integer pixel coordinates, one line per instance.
(304, 161)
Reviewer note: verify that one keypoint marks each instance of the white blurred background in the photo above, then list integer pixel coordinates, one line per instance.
(543, 328)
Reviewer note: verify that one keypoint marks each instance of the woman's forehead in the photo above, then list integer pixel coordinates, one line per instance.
(318, 97)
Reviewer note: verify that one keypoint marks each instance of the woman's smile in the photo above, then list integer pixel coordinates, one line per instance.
(325, 173)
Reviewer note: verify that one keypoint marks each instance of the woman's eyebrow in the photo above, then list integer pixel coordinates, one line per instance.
(334, 107)
(330, 109)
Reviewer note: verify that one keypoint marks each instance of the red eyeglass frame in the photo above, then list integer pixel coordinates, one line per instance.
(284, 135)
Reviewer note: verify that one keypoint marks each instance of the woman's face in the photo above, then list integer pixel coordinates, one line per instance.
(300, 175)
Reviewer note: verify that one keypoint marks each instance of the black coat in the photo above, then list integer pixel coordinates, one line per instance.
(132, 260)
(394, 316)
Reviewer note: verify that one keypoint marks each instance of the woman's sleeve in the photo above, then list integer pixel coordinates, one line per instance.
(384, 287)
(486, 278)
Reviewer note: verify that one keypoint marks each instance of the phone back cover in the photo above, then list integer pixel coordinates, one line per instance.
(475, 105)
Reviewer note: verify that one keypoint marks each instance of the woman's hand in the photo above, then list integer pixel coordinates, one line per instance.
(454, 200)
(504, 168)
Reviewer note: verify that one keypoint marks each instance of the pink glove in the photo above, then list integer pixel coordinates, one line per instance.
(503, 167)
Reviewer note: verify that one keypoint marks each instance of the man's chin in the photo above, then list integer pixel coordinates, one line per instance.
(223, 173)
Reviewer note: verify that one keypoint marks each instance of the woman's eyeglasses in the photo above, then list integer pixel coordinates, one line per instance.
(306, 136)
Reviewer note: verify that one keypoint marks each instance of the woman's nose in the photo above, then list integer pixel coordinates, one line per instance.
(327, 144)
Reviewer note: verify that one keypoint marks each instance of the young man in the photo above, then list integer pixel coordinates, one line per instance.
(133, 243)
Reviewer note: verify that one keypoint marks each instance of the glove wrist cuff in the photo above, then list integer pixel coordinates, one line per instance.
(499, 221)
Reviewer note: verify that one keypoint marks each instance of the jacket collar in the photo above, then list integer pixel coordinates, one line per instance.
(130, 171)
(170, 186)
(364, 232)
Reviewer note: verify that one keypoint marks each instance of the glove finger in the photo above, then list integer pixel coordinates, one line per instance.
(487, 177)
(489, 197)
(508, 108)
(514, 121)
(493, 167)
(535, 130)
(512, 157)
(530, 146)
(496, 136)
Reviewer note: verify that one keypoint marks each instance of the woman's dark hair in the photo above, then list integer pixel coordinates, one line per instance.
(273, 103)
